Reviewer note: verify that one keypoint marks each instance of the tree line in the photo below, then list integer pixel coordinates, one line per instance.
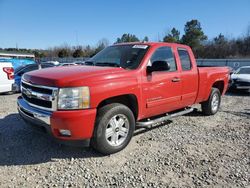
(218, 47)
(194, 36)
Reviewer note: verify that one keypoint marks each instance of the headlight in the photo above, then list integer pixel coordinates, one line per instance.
(74, 98)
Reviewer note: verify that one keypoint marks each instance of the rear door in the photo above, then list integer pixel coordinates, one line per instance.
(189, 77)
(162, 89)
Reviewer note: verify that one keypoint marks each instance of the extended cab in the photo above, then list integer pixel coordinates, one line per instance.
(123, 86)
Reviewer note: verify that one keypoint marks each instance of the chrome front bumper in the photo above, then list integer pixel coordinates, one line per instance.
(41, 118)
(34, 115)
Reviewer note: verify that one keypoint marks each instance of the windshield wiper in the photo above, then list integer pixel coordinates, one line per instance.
(89, 63)
(109, 64)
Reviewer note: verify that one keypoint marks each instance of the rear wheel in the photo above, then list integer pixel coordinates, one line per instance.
(114, 128)
(211, 106)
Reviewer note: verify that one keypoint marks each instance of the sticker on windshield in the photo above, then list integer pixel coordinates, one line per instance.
(140, 46)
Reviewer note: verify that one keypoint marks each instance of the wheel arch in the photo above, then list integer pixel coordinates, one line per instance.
(129, 100)
(219, 85)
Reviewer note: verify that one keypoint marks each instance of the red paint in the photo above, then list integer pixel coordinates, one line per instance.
(155, 93)
(10, 72)
(79, 122)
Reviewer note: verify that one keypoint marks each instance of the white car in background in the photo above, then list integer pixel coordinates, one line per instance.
(55, 63)
(240, 79)
(6, 77)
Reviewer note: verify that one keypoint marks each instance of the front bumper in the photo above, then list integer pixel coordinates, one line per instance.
(79, 122)
(240, 84)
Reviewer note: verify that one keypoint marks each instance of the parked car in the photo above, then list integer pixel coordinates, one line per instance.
(72, 63)
(6, 77)
(240, 79)
(27, 68)
(67, 64)
(55, 63)
(79, 62)
(122, 87)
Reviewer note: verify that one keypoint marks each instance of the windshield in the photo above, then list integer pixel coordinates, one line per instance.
(125, 56)
(243, 71)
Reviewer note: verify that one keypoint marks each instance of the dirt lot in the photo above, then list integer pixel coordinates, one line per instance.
(188, 151)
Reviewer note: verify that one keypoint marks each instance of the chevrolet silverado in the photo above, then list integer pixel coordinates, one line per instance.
(124, 86)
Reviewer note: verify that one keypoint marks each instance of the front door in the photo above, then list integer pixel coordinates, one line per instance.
(161, 90)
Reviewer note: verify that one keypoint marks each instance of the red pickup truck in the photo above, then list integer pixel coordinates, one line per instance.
(122, 87)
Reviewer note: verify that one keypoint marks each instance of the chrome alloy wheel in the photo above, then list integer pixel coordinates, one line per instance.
(117, 130)
(215, 102)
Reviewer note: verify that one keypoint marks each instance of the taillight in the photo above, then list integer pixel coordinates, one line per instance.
(10, 72)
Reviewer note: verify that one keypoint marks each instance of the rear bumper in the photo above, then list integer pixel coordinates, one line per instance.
(5, 88)
(80, 123)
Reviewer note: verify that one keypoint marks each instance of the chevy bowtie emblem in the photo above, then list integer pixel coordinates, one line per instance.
(28, 93)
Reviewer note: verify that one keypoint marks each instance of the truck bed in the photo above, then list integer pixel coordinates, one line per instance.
(208, 76)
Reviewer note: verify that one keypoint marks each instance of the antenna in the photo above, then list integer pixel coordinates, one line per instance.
(77, 43)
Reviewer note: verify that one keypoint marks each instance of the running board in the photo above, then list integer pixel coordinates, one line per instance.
(146, 124)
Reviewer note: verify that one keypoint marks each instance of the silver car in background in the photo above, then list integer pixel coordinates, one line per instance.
(240, 79)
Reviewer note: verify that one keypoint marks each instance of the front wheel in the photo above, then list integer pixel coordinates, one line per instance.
(211, 106)
(114, 128)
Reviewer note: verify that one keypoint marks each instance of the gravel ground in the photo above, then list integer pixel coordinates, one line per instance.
(189, 151)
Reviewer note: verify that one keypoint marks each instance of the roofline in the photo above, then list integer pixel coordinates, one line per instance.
(150, 44)
(9, 54)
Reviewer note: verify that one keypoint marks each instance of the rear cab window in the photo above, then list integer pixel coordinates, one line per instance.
(164, 53)
(185, 60)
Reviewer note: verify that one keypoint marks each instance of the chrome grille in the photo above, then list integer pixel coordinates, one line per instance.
(38, 96)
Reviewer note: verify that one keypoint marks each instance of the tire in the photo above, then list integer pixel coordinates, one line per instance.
(211, 106)
(114, 128)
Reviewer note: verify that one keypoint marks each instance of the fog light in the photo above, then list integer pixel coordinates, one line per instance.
(64, 132)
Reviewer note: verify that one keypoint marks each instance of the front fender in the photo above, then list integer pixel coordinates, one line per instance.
(112, 88)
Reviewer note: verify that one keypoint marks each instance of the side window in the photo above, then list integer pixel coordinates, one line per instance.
(185, 59)
(164, 54)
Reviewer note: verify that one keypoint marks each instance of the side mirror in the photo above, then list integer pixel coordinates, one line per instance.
(158, 66)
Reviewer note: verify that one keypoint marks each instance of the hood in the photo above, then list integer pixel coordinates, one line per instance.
(243, 77)
(71, 75)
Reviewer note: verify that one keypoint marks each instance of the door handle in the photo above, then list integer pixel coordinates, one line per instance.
(176, 79)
